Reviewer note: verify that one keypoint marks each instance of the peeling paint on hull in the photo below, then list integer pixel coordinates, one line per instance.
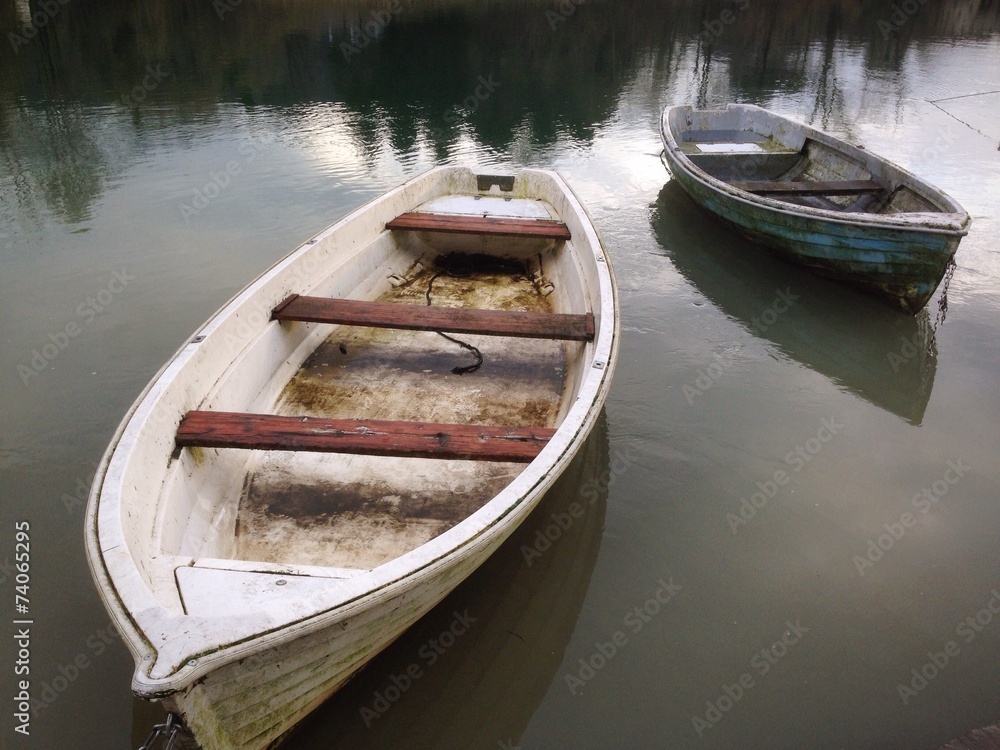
(899, 256)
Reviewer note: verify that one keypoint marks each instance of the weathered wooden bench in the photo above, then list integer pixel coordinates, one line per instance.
(212, 429)
(372, 437)
(495, 226)
(569, 327)
(838, 187)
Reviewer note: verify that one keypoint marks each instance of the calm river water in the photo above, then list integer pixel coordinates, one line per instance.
(156, 156)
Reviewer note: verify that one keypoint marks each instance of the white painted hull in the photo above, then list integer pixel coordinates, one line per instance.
(243, 635)
(252, 703)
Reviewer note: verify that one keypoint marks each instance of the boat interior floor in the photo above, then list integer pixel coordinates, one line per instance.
(359, 511)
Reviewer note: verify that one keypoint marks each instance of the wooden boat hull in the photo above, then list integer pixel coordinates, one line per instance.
(901, 256)
(262, 525)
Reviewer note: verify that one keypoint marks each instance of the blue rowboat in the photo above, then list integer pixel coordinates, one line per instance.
(816, 200)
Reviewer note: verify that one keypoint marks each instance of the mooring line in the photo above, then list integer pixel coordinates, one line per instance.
(971, 127)
(963, 96)
(170, 731)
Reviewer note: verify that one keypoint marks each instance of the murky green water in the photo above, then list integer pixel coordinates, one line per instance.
(725, 587)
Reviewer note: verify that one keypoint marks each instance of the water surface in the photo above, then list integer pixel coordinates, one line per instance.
(154, 158)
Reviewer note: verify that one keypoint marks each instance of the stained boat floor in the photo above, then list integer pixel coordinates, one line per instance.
(361, 511)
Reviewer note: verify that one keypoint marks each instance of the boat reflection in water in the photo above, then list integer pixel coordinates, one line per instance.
(862, 345)
(449, 682)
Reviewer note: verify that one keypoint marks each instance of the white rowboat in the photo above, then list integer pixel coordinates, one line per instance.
(317, 466)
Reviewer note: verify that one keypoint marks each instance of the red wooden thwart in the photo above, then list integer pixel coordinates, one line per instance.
(496, 226)
(372, 437)
(568, 327)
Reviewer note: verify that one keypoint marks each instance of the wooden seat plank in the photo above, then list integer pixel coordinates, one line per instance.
(568, 327)
(497, 226)
(839, 187)
(372, 437)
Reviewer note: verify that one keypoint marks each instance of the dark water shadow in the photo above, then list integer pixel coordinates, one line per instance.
(482, 690)
(865, 347)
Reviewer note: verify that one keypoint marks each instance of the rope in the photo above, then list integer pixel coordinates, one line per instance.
(478, 354)
(170, 730)
(959, 119)
(963, 96)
